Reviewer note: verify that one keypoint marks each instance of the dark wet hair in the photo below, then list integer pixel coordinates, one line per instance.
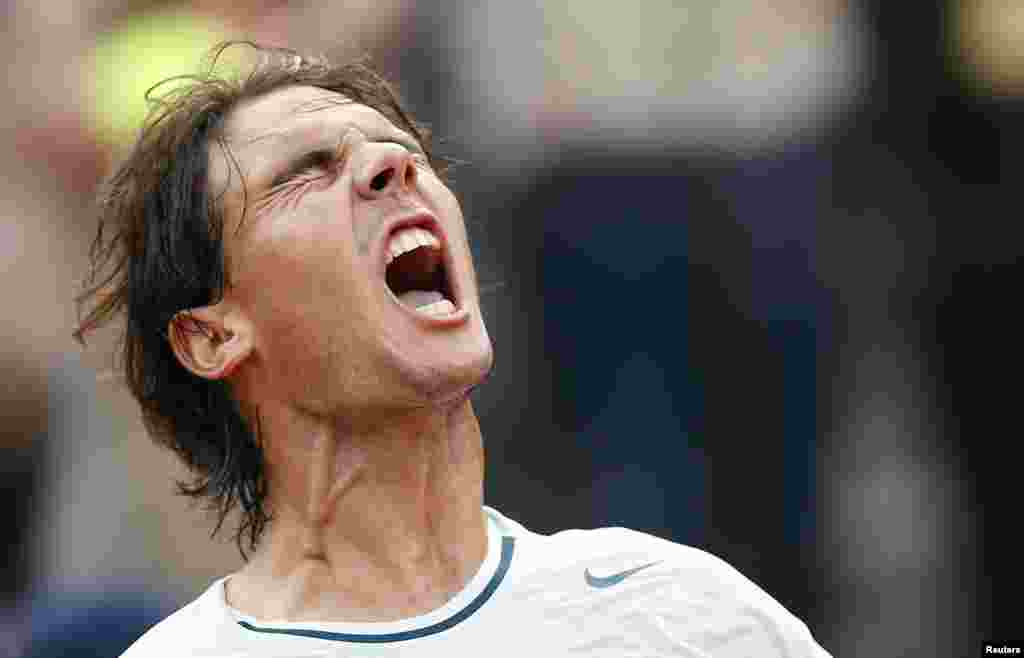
(159, 250)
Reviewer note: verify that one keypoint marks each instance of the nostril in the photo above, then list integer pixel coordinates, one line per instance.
(381, 180)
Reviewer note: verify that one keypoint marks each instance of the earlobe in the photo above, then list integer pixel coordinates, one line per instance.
(205, 345)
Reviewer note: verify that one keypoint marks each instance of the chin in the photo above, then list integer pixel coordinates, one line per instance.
(455, 378)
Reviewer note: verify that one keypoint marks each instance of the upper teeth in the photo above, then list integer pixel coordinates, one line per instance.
(407, 239)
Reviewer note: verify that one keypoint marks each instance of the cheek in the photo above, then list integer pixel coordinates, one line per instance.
(458, 233)
(300, 256)
(443, 201)
(302, 284)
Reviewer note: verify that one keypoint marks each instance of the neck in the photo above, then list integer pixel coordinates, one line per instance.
(368, 525)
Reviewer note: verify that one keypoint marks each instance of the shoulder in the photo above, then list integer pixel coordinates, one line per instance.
(582, 547)
(702, 601)
(190, 629)
(686, 596)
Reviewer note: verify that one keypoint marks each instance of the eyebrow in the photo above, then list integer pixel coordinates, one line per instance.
(281, 170)
(309, 149)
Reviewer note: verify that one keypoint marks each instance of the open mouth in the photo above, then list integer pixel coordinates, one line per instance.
(416, 272)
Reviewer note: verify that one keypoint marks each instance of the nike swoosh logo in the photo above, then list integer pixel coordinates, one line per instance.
(614, 579)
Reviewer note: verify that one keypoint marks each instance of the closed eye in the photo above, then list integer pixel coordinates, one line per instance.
(319, 160)
(322, 160)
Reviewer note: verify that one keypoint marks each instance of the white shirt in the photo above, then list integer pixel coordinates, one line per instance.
(605, 592)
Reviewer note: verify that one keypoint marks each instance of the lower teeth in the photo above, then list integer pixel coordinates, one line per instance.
(443, 307)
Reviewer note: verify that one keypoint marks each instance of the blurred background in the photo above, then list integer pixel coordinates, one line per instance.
(747, 266)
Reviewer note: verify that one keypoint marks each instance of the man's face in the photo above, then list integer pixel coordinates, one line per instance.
(352, 268)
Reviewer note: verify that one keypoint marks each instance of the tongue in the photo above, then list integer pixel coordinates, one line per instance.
(417, 298)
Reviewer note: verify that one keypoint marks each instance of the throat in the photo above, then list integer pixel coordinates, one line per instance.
(372, 523)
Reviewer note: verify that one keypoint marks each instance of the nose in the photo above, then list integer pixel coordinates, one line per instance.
(385, 169)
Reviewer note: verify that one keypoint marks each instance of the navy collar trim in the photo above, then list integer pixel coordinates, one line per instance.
(507, 548)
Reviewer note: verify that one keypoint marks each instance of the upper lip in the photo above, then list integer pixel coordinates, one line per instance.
(428, 221)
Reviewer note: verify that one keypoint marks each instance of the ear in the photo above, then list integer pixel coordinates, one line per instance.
(208, 341)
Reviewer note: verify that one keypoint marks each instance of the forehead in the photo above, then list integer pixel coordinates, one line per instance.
(289, 107)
